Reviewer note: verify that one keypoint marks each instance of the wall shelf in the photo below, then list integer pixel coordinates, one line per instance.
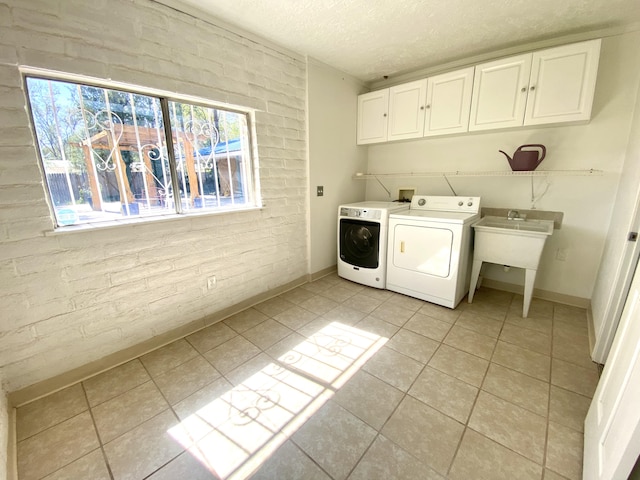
(506, 173)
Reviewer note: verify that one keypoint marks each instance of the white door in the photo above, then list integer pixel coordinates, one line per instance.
(563, 80)
(406, 110)
(448, 102)
(612, 426)
(373, 111)
(500, 93)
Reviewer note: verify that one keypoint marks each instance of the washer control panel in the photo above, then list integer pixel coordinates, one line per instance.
(446, 204)
(364, 213)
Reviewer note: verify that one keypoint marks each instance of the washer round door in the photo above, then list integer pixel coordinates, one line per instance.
(360, 243)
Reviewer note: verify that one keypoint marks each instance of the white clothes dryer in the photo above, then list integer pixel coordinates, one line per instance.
(429, 248)
(362, 241)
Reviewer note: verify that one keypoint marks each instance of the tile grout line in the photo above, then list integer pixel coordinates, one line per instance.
(475, 401)
(222, 376)
(57, 424)
(95, 426)
(467, 427)
(404, 394)
(544, 451)
(504, 322)
(164, 465)
(275, 360)
(115, 396)
(479, 388)
(546, 437)
(518, 371)
(49, 427)
(175, 415)
(355, 466)
(290, 439)
(171, 407)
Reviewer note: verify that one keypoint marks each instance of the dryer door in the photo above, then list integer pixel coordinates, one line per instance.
(421, 249)
(360, 243)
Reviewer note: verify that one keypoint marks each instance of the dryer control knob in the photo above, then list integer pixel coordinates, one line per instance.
(470, 204)
(421, 202)
(460, 204)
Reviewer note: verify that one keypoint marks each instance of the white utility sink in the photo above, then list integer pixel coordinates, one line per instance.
(536, 227)
(515, 243)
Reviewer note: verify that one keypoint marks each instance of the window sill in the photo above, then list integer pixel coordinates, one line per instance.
(95, 227)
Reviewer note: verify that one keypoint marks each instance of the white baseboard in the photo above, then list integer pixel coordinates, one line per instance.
(46, 387)
(538, 293)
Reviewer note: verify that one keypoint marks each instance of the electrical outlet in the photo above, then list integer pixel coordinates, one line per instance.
(320, 190)
(212, 282)
(561, 254)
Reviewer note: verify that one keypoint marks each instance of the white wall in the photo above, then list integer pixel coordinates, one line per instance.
(334, 156)
(587, 202)
(73, 298)
(618, 260)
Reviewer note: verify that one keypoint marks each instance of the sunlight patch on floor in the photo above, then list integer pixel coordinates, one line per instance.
(236, 432)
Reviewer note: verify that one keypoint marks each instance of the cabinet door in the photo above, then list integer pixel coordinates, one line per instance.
(448, 102)
(563, 81)
(373, 117)
(406, 110)
(500, 93)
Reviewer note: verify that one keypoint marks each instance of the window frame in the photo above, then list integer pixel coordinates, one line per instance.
(254, 196)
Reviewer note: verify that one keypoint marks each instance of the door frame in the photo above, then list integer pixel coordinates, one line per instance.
(619, 290)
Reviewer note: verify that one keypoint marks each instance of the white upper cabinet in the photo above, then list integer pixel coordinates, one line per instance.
(500, 93)
(549, 86)
(373, 117)
(448, 102)
(562, 83)
(406, 110)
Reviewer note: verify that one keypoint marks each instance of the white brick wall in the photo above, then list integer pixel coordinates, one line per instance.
(4, 427)
(70, 299)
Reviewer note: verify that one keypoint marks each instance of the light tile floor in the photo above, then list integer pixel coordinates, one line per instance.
(333, 380)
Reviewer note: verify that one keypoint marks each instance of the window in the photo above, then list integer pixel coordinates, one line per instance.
(113, 154)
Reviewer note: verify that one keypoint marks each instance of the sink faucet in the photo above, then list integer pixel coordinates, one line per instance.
(513, 214)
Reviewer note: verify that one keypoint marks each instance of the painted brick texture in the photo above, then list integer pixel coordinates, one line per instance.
(69, 299)
(4, 434)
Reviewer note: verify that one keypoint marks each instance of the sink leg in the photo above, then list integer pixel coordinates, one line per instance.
(529, 280)
(475, 273)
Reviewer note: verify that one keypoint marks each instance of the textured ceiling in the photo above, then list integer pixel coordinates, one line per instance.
(371, 38)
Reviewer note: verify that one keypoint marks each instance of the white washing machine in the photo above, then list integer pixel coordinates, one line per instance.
(362, 241)
(430, 247)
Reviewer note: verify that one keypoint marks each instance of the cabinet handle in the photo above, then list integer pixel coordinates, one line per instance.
(533, 87)
(384, 114)
(428, 106)
(401, 247)
(523, 89)
(422, 107)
